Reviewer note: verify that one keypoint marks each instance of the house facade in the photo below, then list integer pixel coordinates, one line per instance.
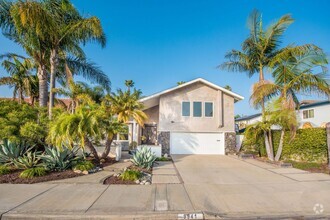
(196, 117)
(314, 114)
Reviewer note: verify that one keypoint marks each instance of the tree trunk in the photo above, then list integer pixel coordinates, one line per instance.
(43, 86)
(53, 71)
(20, 96)
(90, 146)
(328, 142)
(107, 147)
(280, 146)
(270, 154)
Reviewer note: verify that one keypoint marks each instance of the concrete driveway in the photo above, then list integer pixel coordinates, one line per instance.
(228, 187)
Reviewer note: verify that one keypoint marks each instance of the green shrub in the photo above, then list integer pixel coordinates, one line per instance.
(305, 165)
(33, 132)
(309, 145)
(57, 160)
(131, 175)
(10, 151)
(144, 158)
(28, 160)
(33, 172)
(163, 159)
(84, 165)
(4, 170)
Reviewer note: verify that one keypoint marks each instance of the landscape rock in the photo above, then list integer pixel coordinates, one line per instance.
(137, 181)
(77, 171)
(166, 155)
(85, 172)
(147, 183)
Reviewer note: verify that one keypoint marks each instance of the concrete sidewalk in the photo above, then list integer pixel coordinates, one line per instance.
(76, 201)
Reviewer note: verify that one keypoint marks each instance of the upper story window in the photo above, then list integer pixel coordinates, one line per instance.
(208, 109)
(308, 114)
(185, 108)
(197, 109)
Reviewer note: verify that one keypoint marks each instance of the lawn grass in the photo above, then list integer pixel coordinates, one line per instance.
(311, 167)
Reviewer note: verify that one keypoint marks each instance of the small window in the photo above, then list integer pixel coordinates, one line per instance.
(308, 114)
(197, 109)
(208, 109)
(185, 108)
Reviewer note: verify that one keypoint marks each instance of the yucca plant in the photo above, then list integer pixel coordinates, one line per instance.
(28, 160)
(55, 159)
(144, 158)
(10, 151)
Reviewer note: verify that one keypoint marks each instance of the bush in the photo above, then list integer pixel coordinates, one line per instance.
(9, 151)
(163, 159)
(84, 165)
(33, 172)
(144, 158)
(33, 132)
(4, 170)
(131, 175)
(55, 159)
(309, 145)
(28, 160)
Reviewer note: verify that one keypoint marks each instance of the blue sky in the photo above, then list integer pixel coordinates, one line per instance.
(157, 43)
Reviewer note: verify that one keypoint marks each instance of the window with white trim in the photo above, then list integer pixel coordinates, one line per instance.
(308, 113)
(186, 109)
(208, 109)
(197, 109)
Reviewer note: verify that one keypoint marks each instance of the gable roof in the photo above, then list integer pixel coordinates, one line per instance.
(248, 117)
(201, 80)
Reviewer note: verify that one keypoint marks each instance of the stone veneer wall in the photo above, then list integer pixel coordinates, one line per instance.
(230, 142)
(164, 141)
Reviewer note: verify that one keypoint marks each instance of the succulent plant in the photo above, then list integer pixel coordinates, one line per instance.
(144, 158)
(57, 160)
(28, 160)
(10, 151)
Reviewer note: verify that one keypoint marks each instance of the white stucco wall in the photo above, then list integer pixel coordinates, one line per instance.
(321, 115)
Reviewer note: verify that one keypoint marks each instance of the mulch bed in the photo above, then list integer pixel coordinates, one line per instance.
(117, 180)
(15, 179)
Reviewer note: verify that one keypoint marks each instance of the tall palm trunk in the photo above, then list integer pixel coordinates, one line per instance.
(20, 96)
(43, 85)
(107, 146)
(280, 146)
(90, 146)
(269, 149)
(53, 71)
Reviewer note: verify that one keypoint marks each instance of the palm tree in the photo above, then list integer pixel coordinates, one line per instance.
(294, 73)
(40, 28)
(20, 77)
(129, 84)
(180, 83)
(78, 92)
(259, 48)
(119, 108)
(79, 128)
(228, 87)
(126, 105)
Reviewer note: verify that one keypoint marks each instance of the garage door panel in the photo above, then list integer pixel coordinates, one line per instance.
(197, 143)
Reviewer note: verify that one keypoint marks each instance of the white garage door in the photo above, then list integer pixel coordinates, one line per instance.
(197, 143)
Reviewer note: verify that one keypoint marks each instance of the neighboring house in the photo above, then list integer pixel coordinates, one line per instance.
(317, 113)
(196, 117)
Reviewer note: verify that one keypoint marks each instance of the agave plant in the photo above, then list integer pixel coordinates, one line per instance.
(28, 160)
(10, 151)
(55, 159)
(144, 158)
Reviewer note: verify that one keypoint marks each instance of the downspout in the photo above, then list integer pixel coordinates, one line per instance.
(221, 113)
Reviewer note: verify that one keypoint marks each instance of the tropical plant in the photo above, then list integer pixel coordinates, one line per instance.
(84, 165)
(129, 84)
(130, 175)
(80, 93)
(79, 128)
(33, 172)
(126, 105)
(9, 151)
(56, 159)
(180, 83)
(228, 87)
(4, 170)
(294, 73)
(144, 158)
(27, 161)
(20, 79)
(33, 132)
